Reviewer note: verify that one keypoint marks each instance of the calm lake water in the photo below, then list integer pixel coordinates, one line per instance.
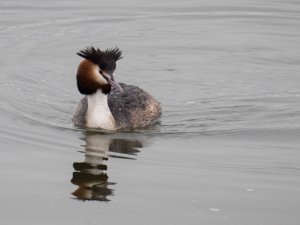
(226, 151)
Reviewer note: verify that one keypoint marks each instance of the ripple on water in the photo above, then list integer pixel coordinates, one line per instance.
(41, 87)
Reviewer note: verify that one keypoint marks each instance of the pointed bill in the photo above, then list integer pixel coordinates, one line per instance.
(112, 82)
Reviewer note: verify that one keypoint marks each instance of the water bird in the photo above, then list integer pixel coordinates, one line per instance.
(108, 104)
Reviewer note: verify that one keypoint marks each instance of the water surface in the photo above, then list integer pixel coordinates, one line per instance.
(227, 148)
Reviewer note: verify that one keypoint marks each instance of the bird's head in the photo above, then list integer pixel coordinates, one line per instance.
(96, 70)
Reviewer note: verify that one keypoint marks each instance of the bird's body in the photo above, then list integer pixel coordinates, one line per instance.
(109, 105)
(131, 109)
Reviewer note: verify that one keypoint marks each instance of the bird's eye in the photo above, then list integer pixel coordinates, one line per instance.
(103, 65)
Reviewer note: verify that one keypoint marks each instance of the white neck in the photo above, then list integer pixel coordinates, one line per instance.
(98, 113)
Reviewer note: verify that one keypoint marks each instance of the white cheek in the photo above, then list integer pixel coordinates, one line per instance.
(100, 79)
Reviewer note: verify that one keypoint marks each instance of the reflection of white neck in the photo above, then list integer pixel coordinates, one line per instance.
(98, 113)
(96, 150)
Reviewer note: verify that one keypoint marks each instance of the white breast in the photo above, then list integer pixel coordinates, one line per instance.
(98, 113)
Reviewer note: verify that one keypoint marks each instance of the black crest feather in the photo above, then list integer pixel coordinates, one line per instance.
(98, 57)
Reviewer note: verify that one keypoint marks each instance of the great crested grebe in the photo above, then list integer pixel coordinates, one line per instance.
(108, 104)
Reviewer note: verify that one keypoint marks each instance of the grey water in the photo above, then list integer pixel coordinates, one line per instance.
(226, 150)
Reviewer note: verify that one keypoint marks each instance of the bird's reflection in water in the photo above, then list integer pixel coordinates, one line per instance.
(91, 175)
